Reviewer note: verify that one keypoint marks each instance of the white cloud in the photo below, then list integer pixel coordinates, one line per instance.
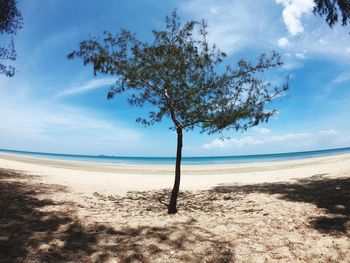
(261, 130)
(292, 13)
(231, 28)
(283, 42)
(229, 143)
(88, 86)
(314, 35)
(289, 137)
(300, 55)
(330, 132)
(285, 140)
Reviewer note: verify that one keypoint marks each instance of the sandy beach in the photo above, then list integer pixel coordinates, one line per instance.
(65, 211)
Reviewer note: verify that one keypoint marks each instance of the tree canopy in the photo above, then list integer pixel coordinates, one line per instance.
(333, 10)
(182, 76)
(11, 21)
(178, 74)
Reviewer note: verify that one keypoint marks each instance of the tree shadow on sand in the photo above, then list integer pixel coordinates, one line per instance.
(25, 228)
(331, 195)
(37, 229)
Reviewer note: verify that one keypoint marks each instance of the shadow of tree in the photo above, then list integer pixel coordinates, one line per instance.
(24, 227)
(173, 243)
(37, 229)
(332, 195)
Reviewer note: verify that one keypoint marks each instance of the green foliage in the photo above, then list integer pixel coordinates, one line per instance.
(10, 17)
(333, 9)
(10, 21)
(178, 73)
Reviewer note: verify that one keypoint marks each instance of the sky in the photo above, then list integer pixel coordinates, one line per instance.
(56, 105)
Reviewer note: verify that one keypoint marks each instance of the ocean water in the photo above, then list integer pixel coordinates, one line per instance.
(185, 160)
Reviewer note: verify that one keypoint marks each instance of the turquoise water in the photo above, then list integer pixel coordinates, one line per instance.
(185, 160)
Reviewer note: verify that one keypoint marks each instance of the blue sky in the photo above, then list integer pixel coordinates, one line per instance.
(56, 105)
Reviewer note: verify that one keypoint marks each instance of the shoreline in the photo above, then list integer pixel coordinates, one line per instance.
(66, 162)
(119, 179)
(186, 160)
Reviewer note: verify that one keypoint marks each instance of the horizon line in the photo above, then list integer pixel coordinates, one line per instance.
(169, 157)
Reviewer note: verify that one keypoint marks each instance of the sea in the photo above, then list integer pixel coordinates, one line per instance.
(207, 160)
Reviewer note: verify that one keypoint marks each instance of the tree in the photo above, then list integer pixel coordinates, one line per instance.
(11, 20)
(179, 74)
(333, 9)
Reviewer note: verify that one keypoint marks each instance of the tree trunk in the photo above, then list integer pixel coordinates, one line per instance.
(172, 209)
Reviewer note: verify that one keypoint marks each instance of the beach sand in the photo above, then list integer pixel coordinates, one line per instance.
(65, 211)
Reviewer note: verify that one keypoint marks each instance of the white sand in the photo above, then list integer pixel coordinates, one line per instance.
(117, 179)
(299, 221)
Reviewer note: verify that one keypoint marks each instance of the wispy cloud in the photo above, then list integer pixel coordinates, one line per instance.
(284, 140)
(43, 126)
(332, 86)
(329, 132)
(230, 22)
(343, 77)
(86, 87)
(289, 137)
